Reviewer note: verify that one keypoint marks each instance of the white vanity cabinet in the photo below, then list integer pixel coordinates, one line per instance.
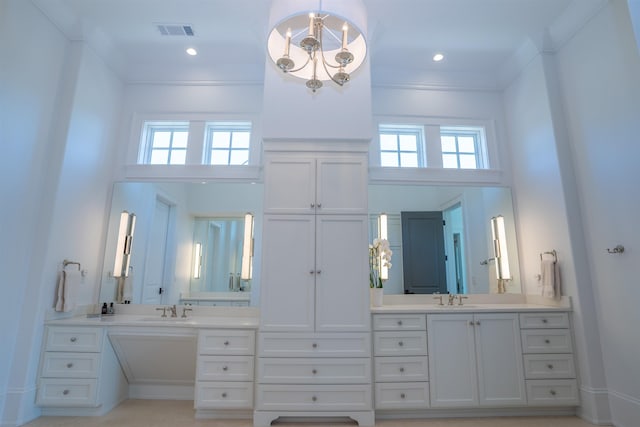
(302, 183)
(475, 360)
(314, 343)
(401, 371)
(79, 372)
(548, 359)
(225, 370)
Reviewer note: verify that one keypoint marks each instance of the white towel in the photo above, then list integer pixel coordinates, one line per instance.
(68, 284)
(550, 278)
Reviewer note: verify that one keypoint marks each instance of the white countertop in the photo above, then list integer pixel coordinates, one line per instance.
(144, 320)
(465, 308)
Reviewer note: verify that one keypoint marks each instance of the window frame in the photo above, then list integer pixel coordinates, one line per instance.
(403, 129)
(225, 126)
(479, 142)
(150, 128)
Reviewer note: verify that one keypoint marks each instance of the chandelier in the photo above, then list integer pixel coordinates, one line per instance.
(317, 47)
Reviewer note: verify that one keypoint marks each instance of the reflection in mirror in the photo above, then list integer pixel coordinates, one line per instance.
(468, 245)
(162, 260)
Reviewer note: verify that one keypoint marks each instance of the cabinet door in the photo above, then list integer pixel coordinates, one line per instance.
(341, 185)
(288, 273)
(342, 287)
(452, 362)
(290, 184)
(499, 360)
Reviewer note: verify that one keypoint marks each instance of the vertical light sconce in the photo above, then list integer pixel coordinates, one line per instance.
(197, 260)
(247, 248)
(123, 246)
(382, 234)
(500, 251)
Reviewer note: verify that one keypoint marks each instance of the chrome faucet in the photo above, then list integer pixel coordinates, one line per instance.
(438, 297)
(173, 311)
(452, 298)
(164, 311)
(460, 298)
(184, 311)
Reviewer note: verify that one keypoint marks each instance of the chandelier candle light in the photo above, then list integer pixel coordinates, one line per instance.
(317, 47)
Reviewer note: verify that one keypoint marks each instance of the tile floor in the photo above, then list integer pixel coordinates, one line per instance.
(160, 413)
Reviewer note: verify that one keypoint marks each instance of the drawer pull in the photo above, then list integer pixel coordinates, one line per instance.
(544, 321)
(400, 343)
(226, 343)
(314, 345)
(73, 339)
(315, 399)
(399, 322)
(225, 368)
(69, 365)
(546, 341)
(224, 395)
(314, 371)
(402, 396)
(65, 392)
(552, 392)
(401, 369)
(550, 366)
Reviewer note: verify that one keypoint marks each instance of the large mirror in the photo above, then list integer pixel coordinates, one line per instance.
(188, 244)
(467, 253)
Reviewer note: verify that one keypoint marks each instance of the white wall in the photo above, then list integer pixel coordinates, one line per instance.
(59, 115)
(598, 72)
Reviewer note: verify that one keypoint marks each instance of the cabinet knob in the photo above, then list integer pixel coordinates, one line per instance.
(224, 395)
(73, 339)
(65, 392)
(552, 392)
(226, 343)
(399, 322)
(402, 396)
(314, 371)
(225, 368)
(312, 206)
(550, 366)
(314, 398)
(471, 322)
(318, 271)
(400, 343)
(478, 322)
(69, 365)
(544, 320)
(319, 205)
(311, 271)
(314, 345)
(401, 369)
(546, 341)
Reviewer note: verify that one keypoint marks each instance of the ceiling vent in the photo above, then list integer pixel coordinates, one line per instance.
(175, 29)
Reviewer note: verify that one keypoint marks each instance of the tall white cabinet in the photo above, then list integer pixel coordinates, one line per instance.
(315, 316)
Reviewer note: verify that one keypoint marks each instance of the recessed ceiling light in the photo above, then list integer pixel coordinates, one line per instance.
(191, 51)
(438, 57)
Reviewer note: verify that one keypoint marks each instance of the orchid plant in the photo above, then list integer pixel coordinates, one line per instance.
(379, 256)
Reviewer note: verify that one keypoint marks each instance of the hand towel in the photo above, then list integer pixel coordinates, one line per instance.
(68, 287)
(550, 278)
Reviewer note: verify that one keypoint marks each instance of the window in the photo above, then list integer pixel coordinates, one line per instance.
(462, 147)
(401, 146)
(165, 143)
(227, 143)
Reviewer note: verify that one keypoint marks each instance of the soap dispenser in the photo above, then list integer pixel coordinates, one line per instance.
(104, 308)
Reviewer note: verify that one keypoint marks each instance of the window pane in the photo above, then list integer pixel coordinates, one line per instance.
(241, 139)
(161, 139)
(449, 161)
(221, 140)
(467, 144)
(467, 161)
(408, 143)
(448, 143)
(239, 157)
(219, 157)
(389, 160)
(178, 157)
(388, 142)
(408, 160)
(180, 139)
(159, 157)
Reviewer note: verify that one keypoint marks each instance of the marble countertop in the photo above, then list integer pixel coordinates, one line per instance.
(465, 308)
(145, 320)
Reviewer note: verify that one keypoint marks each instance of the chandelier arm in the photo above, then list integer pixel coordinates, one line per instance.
(301, 67)
(324, 61)
(329, 74)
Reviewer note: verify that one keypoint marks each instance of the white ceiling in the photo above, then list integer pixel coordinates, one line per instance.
(478, 37)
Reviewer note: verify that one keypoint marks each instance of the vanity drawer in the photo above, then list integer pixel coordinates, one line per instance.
(402, 395)
(546, 341)
(226, 341)
(399, 343)
(225, 368)
(544, 320)
(399, 322)
(224, 395)
(66, 338)
(394, 369)
(334, 398)
(540, 366)
(552, 392)
(67, 392)
(314, 345)
(70, 365)
(314, 370)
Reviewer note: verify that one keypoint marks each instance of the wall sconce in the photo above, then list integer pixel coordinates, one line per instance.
(247, 248)
(197, 260)
(500, 251)
(382, 234)
(123, 247)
